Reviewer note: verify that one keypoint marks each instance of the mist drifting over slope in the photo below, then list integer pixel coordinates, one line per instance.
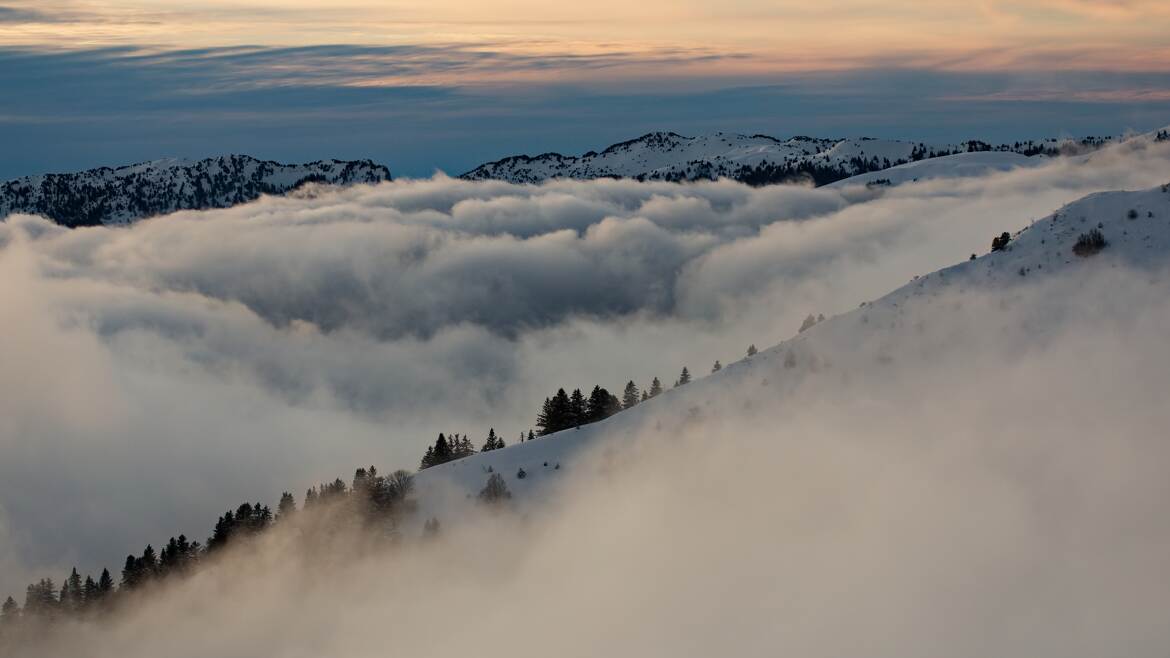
(157, 373)
(981, 489)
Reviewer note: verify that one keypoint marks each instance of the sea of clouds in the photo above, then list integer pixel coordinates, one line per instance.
(156, 375)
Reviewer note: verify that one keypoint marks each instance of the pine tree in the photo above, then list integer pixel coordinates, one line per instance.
(630, 396)
(752, 351)
(41, 600)
(578, 410)
(91, 593)
(131, 572)
(287, 506)
(105, 585)
(490, 444)
(808, 323)
(531, 436)
(72, 594)
(684, 377)
(717, 367)
(442, 450)
(544, 420)
(561, 411)
(9, 614)
(148, 563)
(495, 491)
(655, 388)
(601, 405)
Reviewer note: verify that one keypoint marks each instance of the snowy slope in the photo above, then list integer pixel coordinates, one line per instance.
(1136, 225)
(125, 194)
(950, 166)
(756, 159)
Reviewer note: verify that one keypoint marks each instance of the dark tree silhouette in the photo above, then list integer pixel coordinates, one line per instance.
(495, 491)
(630, 396)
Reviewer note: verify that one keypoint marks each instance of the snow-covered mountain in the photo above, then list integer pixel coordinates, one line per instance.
(1091, 236)
(126, 194)
(754, 159)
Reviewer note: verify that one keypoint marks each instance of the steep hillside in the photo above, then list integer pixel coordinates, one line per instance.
(125, 194)
(755, 159)
(1135, 232)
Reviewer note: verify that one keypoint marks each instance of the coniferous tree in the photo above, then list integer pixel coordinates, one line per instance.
(495, 491)
(544, 420)
(490, 444)
(9, 614)
(717, 367)
(684, 377)
(92, 594)
(105, 585)
(73, 594)
(578, 410)
(466, 449)
(752, 351)
(442, 450)
(655, 388)
(168, 557)
(287, 506)
(148, 563)
(562, 410)
(531, 436)
(630, 397)
(808, 323)
(40, 601)
(131, 574)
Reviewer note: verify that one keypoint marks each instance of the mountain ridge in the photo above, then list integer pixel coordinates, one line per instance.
(1135, 226)
(753, 159)
(123, 194)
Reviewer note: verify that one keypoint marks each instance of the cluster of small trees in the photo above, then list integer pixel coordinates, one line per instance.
(372, 497)
(456, 447)
(1090, 243)
(565, 411)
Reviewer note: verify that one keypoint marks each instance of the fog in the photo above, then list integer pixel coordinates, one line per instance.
(155, 376)
(983, 489)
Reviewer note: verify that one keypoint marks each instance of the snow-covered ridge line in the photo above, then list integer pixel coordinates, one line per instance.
(1134, 227)
(753, 159)
(121, 195)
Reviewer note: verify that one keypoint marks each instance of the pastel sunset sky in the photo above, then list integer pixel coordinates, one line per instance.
(447, 84)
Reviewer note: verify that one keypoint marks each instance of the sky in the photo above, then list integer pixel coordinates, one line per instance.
(447, 85)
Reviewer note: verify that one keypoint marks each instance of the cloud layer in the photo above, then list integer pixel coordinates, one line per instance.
(159, 373)
(985, 489)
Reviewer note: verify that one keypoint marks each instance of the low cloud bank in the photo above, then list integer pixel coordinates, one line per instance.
(155, 375)
(984, 488)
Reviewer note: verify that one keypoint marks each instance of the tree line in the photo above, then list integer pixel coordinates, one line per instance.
(371, 499)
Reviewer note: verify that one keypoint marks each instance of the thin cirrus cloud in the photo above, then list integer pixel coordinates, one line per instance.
(408, 106)
(837, 34)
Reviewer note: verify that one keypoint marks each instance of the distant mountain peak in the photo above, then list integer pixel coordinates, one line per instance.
(128, 193)
(753, 159)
